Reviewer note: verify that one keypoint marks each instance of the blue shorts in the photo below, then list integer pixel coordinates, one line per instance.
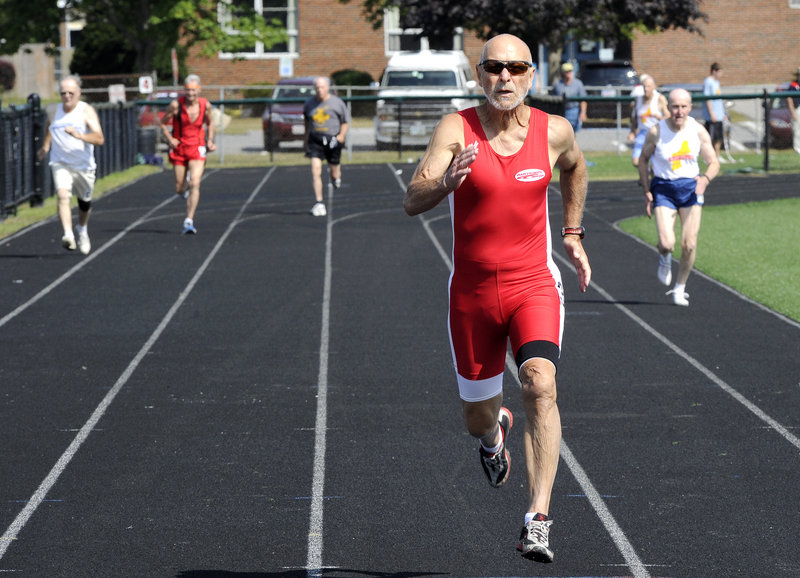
(674, 194)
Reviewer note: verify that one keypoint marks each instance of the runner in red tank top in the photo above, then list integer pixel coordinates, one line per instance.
(189, 115)
(494, 163)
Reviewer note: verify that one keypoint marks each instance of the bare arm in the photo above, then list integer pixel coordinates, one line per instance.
(644, 164)
(573, 181)
(166, 120)
(443, 167)
(42, 152)
(710, 157)
(663, 107)
(95, 135)
(209, 120)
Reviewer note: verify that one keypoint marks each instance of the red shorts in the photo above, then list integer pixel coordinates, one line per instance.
(182, 154)
(491, 304)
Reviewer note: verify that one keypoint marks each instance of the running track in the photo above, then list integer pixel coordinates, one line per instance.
(274, 398)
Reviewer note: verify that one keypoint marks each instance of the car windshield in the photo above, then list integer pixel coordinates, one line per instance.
(613, 75)
(421, 78)
(293, 92)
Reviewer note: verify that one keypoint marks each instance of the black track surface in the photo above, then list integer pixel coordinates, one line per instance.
(160, 400)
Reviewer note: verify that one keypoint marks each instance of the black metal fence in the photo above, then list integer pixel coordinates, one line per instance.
(25, 178)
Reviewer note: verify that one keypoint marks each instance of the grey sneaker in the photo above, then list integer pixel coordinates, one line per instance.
(534, 540)
(497, 466)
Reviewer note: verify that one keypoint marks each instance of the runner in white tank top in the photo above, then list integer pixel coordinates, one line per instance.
(677, 188)
(648, 108)
(73, 132)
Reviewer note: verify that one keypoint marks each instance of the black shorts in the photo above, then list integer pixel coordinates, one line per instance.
(324, 147)
(714, 131)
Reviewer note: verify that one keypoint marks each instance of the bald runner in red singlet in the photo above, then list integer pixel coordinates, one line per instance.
(505, 284)
(494, 163)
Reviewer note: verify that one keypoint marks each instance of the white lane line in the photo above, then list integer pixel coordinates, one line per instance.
(87, 259)
(82, 263)
(695, 271)
(718, 381)
(606, 518)
(52, 477)
(314, 555)
(614, 530)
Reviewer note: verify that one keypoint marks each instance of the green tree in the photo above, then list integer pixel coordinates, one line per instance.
(147, 27)
(540, 21)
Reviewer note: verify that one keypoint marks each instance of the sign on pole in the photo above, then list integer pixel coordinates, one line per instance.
(116, 93)
(145, 84)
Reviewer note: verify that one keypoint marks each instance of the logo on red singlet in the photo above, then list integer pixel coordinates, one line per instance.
(530, 175)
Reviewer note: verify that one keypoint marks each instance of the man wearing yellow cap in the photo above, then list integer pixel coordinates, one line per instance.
(572, 88)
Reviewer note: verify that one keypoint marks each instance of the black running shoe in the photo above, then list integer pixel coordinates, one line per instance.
(497, 466)
(534, 541)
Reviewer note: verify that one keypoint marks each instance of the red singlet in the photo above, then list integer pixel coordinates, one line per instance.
(504, 283)
(192, 135)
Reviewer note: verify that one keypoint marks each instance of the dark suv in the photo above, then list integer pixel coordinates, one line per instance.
(284, 121)
(608, 78)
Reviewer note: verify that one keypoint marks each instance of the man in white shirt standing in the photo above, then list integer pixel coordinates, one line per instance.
(73, 132)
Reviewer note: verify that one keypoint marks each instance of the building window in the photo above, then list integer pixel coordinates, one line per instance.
(280, 12)
(794, 4)
(397, 37)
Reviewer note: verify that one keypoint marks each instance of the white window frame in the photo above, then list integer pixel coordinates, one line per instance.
(794, 4)
(260, 52)
(392, 33)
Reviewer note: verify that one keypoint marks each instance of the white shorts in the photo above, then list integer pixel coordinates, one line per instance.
(80, 183)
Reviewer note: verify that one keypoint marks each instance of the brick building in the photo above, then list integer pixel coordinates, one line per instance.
(756, 42)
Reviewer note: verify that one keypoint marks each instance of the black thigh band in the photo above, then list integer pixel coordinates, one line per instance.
(84, 205)
(545, 349)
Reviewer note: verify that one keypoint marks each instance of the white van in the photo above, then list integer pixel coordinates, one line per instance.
(416, 90)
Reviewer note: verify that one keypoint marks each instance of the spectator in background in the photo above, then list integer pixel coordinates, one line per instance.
(327, 119)
(572, 88)
(649, 107)
(73, 132)
(189, 115)
(714, 109)
(792, 102)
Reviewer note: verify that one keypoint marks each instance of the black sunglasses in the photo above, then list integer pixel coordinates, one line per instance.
(514, 67)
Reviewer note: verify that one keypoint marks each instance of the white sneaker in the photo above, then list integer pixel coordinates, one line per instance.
(679, 297)
(84, 245)
(319, 210)
(665, 270)
(68, 242)
(337, 183)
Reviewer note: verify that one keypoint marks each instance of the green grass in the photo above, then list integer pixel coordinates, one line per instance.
(750, 247)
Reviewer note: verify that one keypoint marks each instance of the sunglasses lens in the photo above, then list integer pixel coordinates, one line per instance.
(514, 67)
(493, 66)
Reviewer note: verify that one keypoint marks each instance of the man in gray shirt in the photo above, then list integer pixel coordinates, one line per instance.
(327, 120)
(572, 88)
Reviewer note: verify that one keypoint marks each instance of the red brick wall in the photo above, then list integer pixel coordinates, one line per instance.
(332, 36)
(755, 41)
